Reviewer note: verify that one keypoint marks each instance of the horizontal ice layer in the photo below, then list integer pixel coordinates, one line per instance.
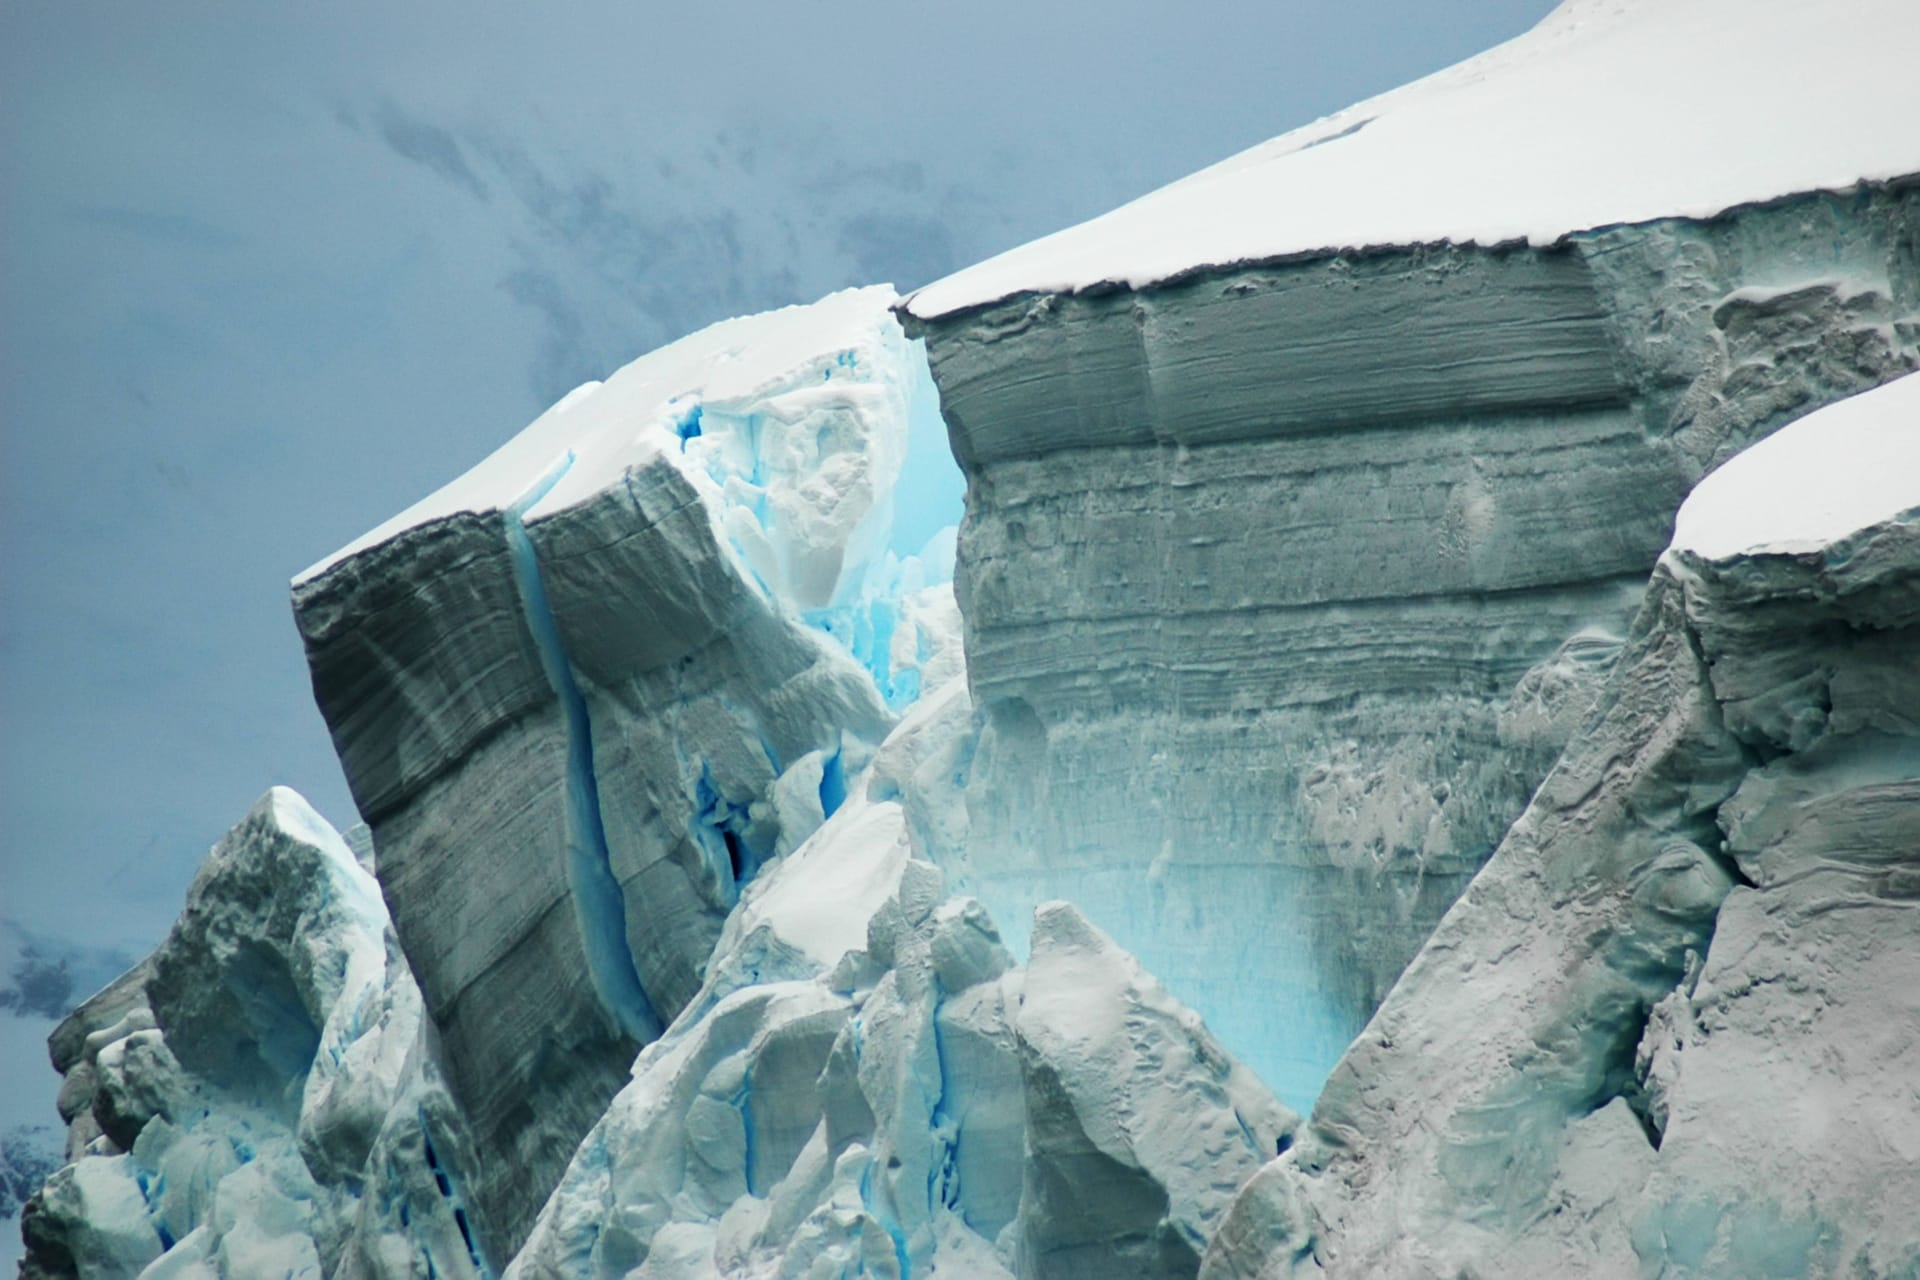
(582, 692)
(1669, 1028)
(1284, 586)
(1605, 113)
(262, 1095)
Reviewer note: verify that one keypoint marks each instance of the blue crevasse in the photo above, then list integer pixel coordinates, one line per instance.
(943, 1172)
(927, 501)
(599, 903)
(686, 423)
(450, 1191)
(833, 784)
(930, 494)
(742, 1102)
(720, 827)
(864, 629)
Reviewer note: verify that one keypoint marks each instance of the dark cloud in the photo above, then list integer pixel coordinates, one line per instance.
(27, 1159)
(427, 145)
(565, 359)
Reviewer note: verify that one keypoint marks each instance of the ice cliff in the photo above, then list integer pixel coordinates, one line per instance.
(1392, 644)
(1671, 1028)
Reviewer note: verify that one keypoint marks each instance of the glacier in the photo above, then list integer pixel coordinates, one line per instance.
(868, 1084)
(1289, 730)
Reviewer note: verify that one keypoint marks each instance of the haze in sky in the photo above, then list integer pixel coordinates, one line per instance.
(270, 273)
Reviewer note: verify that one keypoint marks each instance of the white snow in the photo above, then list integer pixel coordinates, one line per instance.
(821, 897)
(298, 819)
(1609, 111)
(630, 418)
(1843, 468)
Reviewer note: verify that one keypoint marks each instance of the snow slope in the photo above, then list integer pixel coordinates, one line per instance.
(1609, 111)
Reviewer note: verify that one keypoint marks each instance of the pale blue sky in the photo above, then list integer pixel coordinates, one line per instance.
(269, 273)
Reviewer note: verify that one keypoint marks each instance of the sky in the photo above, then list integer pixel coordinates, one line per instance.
(270, 273)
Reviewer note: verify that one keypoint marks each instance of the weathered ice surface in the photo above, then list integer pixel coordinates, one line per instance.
(866, 1084)
(262, 1095)
(1670, 1029)
(1284, 584)
(585, 691)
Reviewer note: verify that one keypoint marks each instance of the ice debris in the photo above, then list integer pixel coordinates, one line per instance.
(261, 1095)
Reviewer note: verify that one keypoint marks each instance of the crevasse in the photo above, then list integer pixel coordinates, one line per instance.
(599, 903)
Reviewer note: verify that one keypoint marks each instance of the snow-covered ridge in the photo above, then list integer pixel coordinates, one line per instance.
(659, 404)
(1851, 465)
(1608, 112)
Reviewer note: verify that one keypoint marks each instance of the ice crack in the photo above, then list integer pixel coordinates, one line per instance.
(598, 900)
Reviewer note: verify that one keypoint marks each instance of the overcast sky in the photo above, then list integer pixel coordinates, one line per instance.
(270, 272)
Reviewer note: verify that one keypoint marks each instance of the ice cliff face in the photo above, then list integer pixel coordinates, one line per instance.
(1669, 1030)
(1285, 583)
(262, 1095)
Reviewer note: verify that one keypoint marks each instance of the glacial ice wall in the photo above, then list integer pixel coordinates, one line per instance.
(262, 1095)
(1670, 1028)
(1285, 584)
(587, 690)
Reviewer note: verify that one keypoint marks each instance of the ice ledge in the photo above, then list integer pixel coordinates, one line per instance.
(1835, 472)
(1609, 112)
